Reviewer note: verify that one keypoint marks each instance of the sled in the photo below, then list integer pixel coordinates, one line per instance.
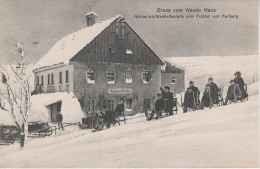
(39, 129)
(150, 113)
(100, 122)
(220, 96)
(8, 134)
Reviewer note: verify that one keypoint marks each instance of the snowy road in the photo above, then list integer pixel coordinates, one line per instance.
(224, 136)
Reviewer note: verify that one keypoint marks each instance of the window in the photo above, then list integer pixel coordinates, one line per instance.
(49, 82)
(37, 81)
(52, 78)
(120, 30)
(128, 76)
(173, 80)
(67, 76)
(128, 104)
(60, 78)
(110, 50)
(110, 104)
(42, 80)
(90, 76)
(90, 106)
(110, 76)
(146, 76)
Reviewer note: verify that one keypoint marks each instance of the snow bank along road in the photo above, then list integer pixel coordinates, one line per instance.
(224, 136)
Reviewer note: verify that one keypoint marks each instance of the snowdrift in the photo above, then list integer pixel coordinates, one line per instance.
(70, 108)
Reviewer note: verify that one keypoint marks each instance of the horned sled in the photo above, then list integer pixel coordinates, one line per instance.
(151, 113)
(8, 134)
(39, 129)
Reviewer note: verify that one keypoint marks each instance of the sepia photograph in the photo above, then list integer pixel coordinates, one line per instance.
(129, 84)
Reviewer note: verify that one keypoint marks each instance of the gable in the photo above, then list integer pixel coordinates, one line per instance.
(118, 43)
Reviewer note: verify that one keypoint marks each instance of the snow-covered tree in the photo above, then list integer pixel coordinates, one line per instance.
(15, 94)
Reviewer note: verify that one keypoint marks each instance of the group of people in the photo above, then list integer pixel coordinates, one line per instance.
(211, 95)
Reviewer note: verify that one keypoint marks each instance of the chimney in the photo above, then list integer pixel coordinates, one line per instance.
(91, 18)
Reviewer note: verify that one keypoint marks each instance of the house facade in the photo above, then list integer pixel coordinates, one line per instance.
(174, 77)
(101, 63)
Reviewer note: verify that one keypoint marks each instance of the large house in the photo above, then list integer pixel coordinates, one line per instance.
(101, 63)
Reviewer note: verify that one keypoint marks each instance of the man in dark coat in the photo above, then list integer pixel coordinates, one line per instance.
(168, 98)
(214, 89)
(159, 104)
(208, 97)
(59, 119)
(108, 116)
(196, 94)
(188, 100)
(120, 108)
(233, 92)
(240, 82)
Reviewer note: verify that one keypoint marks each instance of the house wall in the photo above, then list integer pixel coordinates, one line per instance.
(98, 49)
(99, 91)
(56, 87)
(179, 85)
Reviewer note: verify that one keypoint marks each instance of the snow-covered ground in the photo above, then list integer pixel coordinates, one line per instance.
(226, 136)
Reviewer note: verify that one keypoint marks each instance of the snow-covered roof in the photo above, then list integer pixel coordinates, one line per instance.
(71, 44)
(174, 64)
(91, 13)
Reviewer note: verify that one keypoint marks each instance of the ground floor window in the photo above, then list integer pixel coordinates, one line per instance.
(90, 105)
(129, 106)
(146, 76)
(111, 104)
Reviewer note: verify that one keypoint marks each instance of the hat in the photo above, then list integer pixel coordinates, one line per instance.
(207, 85)
(231, 81)
(122, 99)
(210, 78)
(167, 87)
(238, 73)
(191, 82)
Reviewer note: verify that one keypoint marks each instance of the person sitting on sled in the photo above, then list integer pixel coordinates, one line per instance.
(233, 93)
(159, 104)
(120, 108)
(208, 97)
(168, 98)
(107, 115)
(240, 82)
(214, 89)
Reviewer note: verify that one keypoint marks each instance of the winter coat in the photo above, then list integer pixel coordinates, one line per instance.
(195, 94)
(188, 98)
(240, 82)
(208, 98)
(214, 87)
(168, 97)
(120, 108)
(109, 116)
(233, 92)
(159, 105)
(59, 117)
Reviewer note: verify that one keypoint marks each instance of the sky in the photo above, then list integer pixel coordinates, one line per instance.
(44, 22)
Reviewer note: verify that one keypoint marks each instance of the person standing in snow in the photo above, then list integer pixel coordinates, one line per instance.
(168, 98)
(59, 119)
(240, 82)
(233, 93)
(196, 95)
(120, 108)
(214, 89)
(208, 97)
(159, 104)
